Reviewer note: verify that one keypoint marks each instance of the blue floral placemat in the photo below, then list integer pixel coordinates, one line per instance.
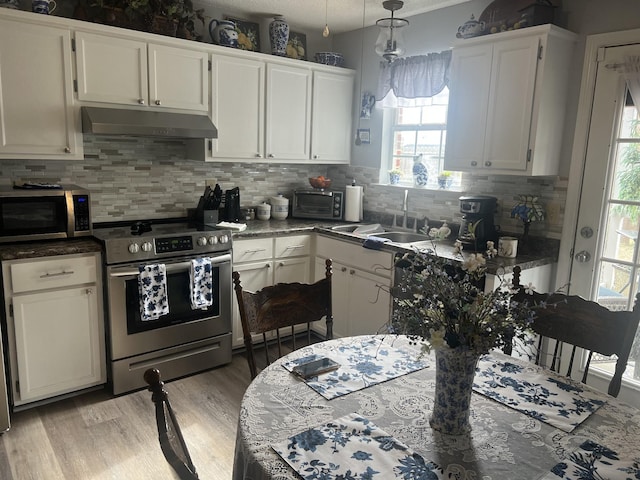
(562, 404)
(595, 462)
(352, 447)
(362, 364)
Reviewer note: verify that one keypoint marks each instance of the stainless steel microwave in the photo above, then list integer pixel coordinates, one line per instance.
(33, 211)
(318, 204)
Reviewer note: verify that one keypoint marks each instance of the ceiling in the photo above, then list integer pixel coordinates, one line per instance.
(342, 15)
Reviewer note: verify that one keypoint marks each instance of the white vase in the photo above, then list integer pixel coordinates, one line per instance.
(279, 35)
(455, 370)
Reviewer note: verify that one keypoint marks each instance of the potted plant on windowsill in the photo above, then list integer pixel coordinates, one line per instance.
(394, 176)
(444, 179)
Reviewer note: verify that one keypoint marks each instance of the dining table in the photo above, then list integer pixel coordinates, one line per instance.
(526, 422)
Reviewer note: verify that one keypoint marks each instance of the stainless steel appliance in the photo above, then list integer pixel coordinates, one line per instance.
(477, 226)
(185, 340)
(318, 204)
(36, 211)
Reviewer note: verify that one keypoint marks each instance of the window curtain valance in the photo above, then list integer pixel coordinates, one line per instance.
(407, 82)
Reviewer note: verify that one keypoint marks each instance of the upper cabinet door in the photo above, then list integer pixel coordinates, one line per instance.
(178, 78)
(468, 104)
(288, 113)
(111, 69)
(237, 107)
(511, 98)
(37, 114)
(331, 119)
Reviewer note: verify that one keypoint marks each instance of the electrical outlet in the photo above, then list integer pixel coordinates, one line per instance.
(553, 212)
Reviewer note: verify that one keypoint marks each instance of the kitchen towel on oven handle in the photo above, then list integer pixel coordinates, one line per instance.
(152, 283)
(201, 283)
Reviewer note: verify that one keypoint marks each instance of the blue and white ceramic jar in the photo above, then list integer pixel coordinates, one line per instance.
(420, 173)
(279, 36)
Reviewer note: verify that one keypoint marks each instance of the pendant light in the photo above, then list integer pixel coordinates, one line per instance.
(390, 43)
(325, 30)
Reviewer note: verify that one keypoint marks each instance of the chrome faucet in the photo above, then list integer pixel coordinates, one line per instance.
(405, 208)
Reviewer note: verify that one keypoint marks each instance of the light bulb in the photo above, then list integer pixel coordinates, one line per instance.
(325, 31)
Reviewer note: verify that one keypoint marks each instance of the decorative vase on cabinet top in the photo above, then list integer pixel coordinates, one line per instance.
(279, 35)
(223, 32)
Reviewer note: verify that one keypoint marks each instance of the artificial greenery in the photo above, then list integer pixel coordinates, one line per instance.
(441, 302)
(144, 12)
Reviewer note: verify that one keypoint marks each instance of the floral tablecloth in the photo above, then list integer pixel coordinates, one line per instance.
(504, 443)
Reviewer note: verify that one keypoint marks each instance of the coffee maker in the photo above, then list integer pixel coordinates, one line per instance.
(477, 227)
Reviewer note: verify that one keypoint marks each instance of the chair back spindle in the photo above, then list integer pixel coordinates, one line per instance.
(172, 442)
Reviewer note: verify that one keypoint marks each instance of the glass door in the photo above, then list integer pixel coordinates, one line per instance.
(606, 260)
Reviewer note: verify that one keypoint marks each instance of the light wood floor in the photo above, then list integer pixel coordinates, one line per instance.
(96, 436)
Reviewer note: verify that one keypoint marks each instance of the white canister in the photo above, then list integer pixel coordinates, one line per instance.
(507, 247)
(279, 207)
(263, 211)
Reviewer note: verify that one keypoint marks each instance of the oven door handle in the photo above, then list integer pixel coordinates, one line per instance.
(170, 267)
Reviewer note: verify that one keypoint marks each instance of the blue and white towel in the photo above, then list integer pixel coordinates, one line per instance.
(152, 283)
(201, 283)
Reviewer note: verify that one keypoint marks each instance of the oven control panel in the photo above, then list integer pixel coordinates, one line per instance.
(152, 246)
(174, 244)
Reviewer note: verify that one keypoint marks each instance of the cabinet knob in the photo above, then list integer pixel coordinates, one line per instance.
(271, 155)
(316, 156)
(89, 291)
(141, 101)
(474, 163)
(258, 155)
(67, 150)
(158, 102)
(352, 272)
(487, 163)
(343, 269)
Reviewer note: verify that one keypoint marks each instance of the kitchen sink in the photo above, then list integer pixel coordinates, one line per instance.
(360, 229)
(403, 237)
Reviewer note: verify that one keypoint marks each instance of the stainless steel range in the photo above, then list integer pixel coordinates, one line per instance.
(185, 340)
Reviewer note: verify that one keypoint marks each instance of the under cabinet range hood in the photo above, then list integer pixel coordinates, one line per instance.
(120, 121)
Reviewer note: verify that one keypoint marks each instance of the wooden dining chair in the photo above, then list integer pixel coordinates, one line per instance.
(580, 323)
(172, 442)
(272, 308)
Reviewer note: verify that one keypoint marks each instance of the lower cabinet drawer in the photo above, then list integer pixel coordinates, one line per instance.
(63, 271)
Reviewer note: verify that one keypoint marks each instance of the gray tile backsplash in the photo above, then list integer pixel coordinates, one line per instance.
(135, 178)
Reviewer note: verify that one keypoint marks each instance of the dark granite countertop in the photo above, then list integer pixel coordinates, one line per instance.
(535, 252)
(46, 248)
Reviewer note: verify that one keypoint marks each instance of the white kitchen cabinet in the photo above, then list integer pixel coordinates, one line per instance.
(277, 112)
(507, 102)
(266, 261)
(38, 118)
(288, 113)
(124, 71)
(360, 286)
(331, 117)
(237, 107)
(55, 325)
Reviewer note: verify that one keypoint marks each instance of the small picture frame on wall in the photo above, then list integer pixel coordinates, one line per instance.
(364, 135)
(297, 46)
(248, 34)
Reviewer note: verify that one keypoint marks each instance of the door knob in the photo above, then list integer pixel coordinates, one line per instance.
(583, 256)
